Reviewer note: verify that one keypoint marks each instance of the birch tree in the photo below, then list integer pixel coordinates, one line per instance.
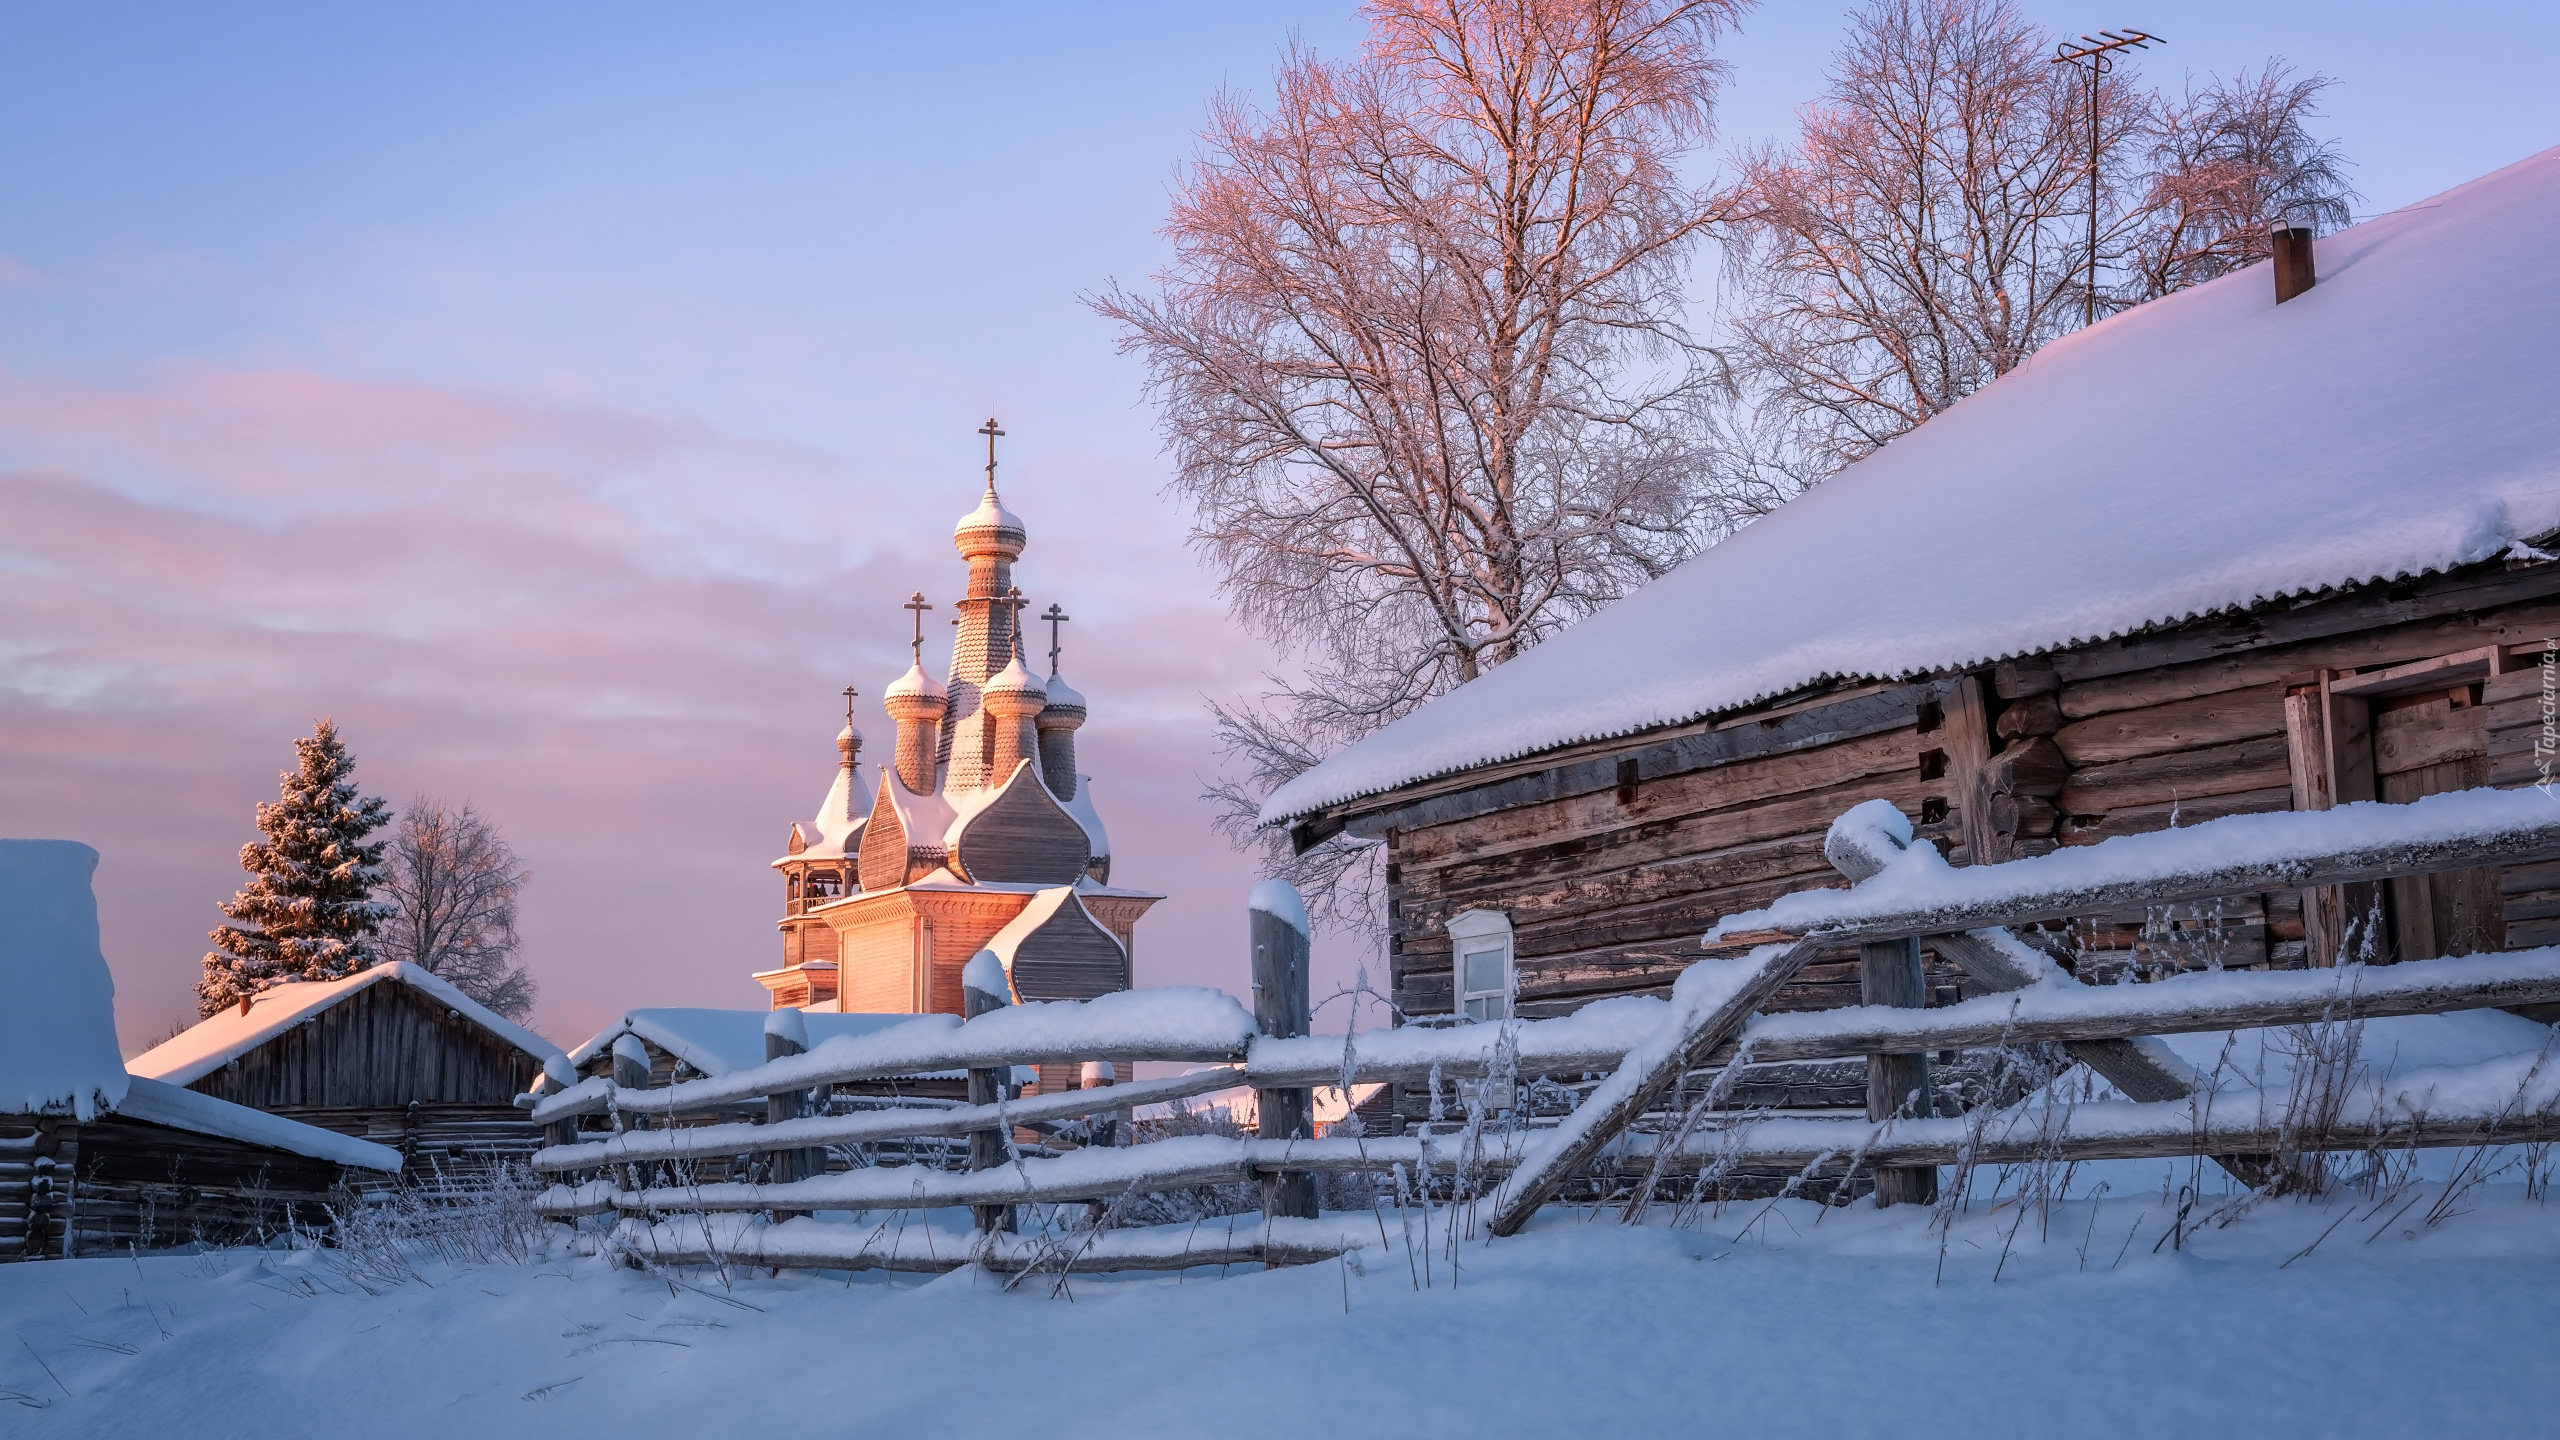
(453, 881)
(1419, 354)
(1929, 229)
(2228, 161)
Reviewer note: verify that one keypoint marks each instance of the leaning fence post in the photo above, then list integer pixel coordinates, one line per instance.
(1276, 924)
(1889, 974)
(984, 986)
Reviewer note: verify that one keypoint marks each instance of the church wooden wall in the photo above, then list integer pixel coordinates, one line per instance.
(384, 1045)
(1612, 860)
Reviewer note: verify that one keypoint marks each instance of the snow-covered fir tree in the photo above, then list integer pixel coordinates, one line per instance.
(308, 911)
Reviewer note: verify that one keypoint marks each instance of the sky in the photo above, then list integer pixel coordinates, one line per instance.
(564, 398)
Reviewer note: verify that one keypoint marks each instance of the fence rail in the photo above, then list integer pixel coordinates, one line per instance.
(644, 1170)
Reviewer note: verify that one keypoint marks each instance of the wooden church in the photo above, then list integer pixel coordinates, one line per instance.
(979, 835)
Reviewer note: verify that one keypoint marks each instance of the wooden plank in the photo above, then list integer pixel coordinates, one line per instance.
(1281, 1009)
(2174, 1133)
(872, 1127)
(1897, 1081)
(2452, 602)
(2257, 764)
(1668, 799)
(2395, 644)
(2436, 673)
(2520, 835)
(2193, 724)
(1725, 993)
(2185, 811)
(1587, 769)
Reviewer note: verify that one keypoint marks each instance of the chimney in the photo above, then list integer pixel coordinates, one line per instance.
(2294, 272)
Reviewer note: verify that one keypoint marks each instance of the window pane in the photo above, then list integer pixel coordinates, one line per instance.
(1485, 1007)
(1484, 973)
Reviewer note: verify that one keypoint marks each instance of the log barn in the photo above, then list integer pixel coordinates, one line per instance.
(391, 1054)
(2279, 541)
(93, 1159)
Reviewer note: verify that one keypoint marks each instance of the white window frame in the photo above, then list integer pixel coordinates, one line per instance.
(1476, 933)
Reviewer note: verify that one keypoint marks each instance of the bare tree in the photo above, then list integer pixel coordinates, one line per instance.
(2226, 162)
(1419, 354)
(1928, 230)
(1924, 235)
(453, 882)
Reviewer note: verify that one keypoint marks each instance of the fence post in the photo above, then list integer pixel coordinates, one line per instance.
(631, 1072)
(1889, 974)
(984, 986)
(1276, 924)
(786, 1033)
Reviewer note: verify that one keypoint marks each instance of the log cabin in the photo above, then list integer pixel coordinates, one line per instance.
(96, 1160)
(2222, 552)
(391, 1054)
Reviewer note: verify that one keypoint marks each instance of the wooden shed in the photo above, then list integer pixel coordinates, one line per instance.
(93, 1159)
(2211, 556)
(391, 1054)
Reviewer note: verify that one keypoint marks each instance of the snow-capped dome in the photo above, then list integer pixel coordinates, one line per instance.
(1013, 680)
(848, 733)
(990, 521)
(912, 685)
(1063, 697)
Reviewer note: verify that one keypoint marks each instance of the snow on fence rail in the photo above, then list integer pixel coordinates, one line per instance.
(1646, 1045)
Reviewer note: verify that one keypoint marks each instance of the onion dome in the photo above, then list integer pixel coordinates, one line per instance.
(990, 527)
(1013, 689)
(913, 694)
(1066, 705)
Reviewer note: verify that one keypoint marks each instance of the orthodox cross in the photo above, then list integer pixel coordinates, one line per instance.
(1054, 616)
(848, 702)
(1013, 601)
(991, 432)
(916, 602)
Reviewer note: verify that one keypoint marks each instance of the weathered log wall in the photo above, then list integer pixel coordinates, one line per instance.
(112, 1184)
(381, 1047)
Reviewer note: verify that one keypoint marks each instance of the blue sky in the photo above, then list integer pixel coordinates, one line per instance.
(565, 395)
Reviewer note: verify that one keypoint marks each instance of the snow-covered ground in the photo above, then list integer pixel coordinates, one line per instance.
(1831, 1323)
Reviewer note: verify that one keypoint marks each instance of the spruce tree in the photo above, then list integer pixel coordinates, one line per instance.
(308, 911)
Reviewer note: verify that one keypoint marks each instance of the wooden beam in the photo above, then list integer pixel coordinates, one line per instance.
(1709, 1002)
(694, 1142)
(1889, 976)
(1280, 1009)
(2154, 874)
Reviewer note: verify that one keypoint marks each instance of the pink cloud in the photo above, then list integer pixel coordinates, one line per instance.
(621, 636)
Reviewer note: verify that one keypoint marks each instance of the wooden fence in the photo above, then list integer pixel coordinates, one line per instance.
(693, 1183)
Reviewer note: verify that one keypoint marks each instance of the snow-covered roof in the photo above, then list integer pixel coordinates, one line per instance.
(161, 1103)
(1044, 905)
(58, 1050)
(716, 1042)
(837, 832)
(209, 1045)
(2204, 452)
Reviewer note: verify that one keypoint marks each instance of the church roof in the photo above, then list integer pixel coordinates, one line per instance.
(2205, 452)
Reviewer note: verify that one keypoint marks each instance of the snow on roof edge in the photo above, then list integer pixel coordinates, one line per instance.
(215, 1041)
(158, 1102)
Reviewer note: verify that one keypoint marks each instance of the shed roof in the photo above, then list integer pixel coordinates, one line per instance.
(207, 1046)
(2205, 452)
